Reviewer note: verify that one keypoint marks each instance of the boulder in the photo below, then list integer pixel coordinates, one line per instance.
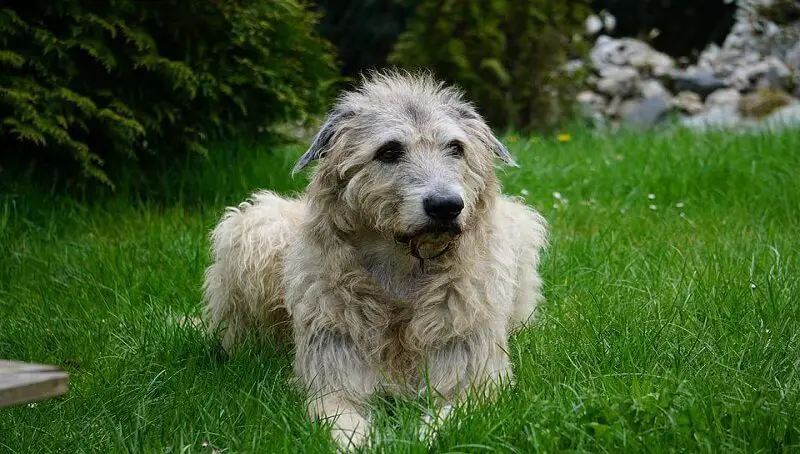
(593, 25)
(613, 53)
(688, 102)
(723, 97)
(652, 88)
(591, 100)
(619, 82)
(762, 103)
(717, 117)
(699, 81)
(647, 113)
(768, 73)
(785, 117)
(792, 59)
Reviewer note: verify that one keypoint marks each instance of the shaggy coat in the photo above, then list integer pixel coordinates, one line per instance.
(377, 292)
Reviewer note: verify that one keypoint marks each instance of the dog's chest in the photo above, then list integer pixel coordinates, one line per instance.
(397, 274)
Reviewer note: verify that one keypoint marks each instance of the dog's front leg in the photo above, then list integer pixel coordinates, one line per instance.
(340, 379)
(475, 366)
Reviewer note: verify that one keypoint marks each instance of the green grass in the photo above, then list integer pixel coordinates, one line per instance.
(666, 329)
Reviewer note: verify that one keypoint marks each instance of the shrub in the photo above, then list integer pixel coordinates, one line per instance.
(99, 82)
(506, 55)
(363, 31)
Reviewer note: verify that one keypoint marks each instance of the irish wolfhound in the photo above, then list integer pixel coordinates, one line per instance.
(401, 268)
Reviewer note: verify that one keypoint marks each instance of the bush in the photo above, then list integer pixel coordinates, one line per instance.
(100, 82)
(364, 31)
(507, 55)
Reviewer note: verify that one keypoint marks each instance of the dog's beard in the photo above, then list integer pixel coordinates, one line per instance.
(432, 240)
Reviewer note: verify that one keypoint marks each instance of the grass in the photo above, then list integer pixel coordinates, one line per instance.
(671, 323)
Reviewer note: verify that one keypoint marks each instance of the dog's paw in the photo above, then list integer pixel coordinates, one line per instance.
(350, 431)
(432, 423)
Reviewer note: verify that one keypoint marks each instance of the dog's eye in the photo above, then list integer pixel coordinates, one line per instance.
(456, 149)
(390, 152)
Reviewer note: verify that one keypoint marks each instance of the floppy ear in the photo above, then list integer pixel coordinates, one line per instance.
(320, 145)
(468, 112)
(502, 152)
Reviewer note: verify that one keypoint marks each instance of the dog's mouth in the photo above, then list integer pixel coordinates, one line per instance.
(432, 233)
(432, 241)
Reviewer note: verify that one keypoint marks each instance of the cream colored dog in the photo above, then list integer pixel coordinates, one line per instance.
(401, 268)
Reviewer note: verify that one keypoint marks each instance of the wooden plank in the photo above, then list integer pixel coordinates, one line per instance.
(22, 383)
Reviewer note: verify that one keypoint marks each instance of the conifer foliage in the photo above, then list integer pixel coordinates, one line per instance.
(98, 81)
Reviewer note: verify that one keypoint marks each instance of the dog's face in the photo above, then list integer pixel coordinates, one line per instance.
(406, 157)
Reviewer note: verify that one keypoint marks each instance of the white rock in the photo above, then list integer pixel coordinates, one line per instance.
(591, 100)
(619, 82)
(793, 58)
(609, 21)
(688, 102)
(785, 117)
(653, 89)
(609, 53)
(593, 25)
(715, 118)
(723, 97)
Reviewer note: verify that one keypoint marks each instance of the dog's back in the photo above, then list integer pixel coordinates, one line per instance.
(243, 285)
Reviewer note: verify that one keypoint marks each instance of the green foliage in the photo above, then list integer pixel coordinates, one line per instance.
(96, 82)
(364, 31)
(508, 56)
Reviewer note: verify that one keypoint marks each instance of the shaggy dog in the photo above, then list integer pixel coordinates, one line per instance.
(401, 268)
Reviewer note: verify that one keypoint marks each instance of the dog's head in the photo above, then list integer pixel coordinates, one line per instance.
(404, 156)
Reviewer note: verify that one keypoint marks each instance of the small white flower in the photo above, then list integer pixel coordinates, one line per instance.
(557, 195)
(679, 205)
(651, 196)
(205, 443)
(524, 192)
(752, 286)
(32, 405)
(653, 207)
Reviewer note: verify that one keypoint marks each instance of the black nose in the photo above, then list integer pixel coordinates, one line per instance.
(443, 208)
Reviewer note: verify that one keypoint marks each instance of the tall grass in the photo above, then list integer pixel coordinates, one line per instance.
(671, 322)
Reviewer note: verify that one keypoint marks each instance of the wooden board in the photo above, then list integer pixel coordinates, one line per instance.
(22, 383)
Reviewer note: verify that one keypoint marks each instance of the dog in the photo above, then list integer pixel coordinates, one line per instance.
(401, 268)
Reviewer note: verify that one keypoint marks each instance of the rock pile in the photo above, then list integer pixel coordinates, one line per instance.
(751, 80)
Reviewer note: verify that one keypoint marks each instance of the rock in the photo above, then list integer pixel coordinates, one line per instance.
(699, 81)
(614, 53)
(723, 97)
(763, 102)
(591, 100)
(593, 25)
(716, 117)
(688, 102)
(609, 21)
(777, 76)
(627, 107)
(785, 117)
(729, 118)
(647, 113)
(792, 59)
(619, 82)
(653, 89)
(613, 107)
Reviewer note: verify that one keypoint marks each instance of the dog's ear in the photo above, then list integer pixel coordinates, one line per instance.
(502, 152)
(484, 132)
(321, 143)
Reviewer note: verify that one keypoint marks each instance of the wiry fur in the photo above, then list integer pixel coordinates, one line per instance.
(377, 301)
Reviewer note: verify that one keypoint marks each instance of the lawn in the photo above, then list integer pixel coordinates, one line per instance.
(671, 323)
